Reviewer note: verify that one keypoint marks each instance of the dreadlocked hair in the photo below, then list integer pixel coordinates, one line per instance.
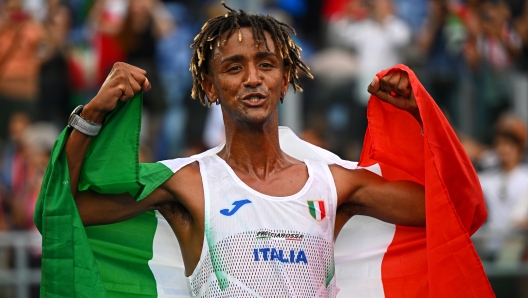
(213, 29)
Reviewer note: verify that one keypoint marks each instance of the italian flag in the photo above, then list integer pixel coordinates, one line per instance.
(141, 257)
(317, 209)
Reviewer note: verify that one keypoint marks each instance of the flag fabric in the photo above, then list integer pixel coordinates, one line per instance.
(99, 261)
(141, 257)
(440, 260)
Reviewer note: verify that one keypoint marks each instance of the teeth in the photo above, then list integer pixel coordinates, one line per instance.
(254, 99)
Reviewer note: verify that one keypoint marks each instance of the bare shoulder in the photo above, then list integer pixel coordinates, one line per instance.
(346, 176)
(186, 186)
(348, 181)
(187, 173)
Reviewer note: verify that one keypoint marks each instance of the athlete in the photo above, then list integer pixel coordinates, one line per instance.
(240, 215)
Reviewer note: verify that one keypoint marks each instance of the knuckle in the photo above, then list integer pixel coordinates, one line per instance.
(394, 80)
(136, 88)
(117, 71)
(141, 78)
(120, 74)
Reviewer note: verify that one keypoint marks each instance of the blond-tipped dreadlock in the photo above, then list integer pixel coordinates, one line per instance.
(213, 29)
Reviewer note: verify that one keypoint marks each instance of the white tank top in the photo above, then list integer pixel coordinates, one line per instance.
(263, 246)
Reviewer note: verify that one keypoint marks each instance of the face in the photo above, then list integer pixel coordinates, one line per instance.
(248, 80)
(509, 153)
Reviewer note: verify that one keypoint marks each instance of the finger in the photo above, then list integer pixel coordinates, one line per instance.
(385, 82)
(375, 88)
(142, 80)
(136, 87)
(384, 96)
(392, 84)
(108, 77)
(374, 85)
(127, 91)
(403, 87)
(393, 81)
(146, 85)
(133, 68)
(128, 67)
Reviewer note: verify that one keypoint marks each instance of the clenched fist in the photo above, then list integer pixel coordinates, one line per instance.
(122, 83)
(395, 88)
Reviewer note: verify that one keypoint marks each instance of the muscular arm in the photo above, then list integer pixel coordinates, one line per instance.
(98, 209)
(362, 192)
(397, 202)
(122, 83)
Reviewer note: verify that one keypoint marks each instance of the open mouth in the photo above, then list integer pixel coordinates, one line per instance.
(254, 98)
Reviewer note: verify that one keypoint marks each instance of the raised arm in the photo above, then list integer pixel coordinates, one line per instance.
(362, 192)
(121, 84)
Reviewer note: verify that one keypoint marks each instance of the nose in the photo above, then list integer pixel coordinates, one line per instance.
(254, 76)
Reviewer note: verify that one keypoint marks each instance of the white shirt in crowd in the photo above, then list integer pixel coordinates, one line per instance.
(504, 194)
(378, 46)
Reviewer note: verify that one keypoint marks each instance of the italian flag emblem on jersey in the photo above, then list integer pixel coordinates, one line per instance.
(317, 209)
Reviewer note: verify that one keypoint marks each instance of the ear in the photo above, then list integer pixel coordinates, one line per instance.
(210, 90)
(285, 80)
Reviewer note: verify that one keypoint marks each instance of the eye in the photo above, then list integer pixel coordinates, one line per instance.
(266, 65)
(234, 68)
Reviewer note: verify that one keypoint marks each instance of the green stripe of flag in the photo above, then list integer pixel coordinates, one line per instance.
(103, 261)
(311, 206)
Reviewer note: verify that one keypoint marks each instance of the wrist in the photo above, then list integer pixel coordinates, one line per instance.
(91, 114)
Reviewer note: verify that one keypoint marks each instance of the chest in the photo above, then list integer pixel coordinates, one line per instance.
(234, 206)
(285, 183)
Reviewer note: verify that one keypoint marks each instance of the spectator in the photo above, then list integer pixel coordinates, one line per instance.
(378, 41)
(20, 40)
(107, 19)
(13, 165)
(442, 39)
(147, 22)
(413, 12)
(37, 141)
(54, 84)
(377, 37)
(504, 186)
(490, 52)
(172, 57)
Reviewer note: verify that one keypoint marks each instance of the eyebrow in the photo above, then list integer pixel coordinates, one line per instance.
(266, 54)
(238, 58)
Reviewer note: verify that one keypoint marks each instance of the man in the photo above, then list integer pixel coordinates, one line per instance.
(249, 82)
(250, 220)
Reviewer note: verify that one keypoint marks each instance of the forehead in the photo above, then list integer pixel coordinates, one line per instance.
(242, 42)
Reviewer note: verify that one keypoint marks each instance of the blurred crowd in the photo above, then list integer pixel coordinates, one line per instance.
(471, 55)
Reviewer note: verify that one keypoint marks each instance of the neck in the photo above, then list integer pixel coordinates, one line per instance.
(253, 149)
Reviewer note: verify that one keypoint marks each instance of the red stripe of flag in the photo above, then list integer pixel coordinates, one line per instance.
(322, 209)
(440, 260)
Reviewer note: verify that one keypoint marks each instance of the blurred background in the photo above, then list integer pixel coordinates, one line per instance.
(471, 55)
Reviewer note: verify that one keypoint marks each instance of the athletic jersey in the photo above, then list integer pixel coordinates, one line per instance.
(257, 245)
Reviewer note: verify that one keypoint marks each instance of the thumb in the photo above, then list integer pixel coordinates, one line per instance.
(146, 85)
(374, 85)
(374, 89)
